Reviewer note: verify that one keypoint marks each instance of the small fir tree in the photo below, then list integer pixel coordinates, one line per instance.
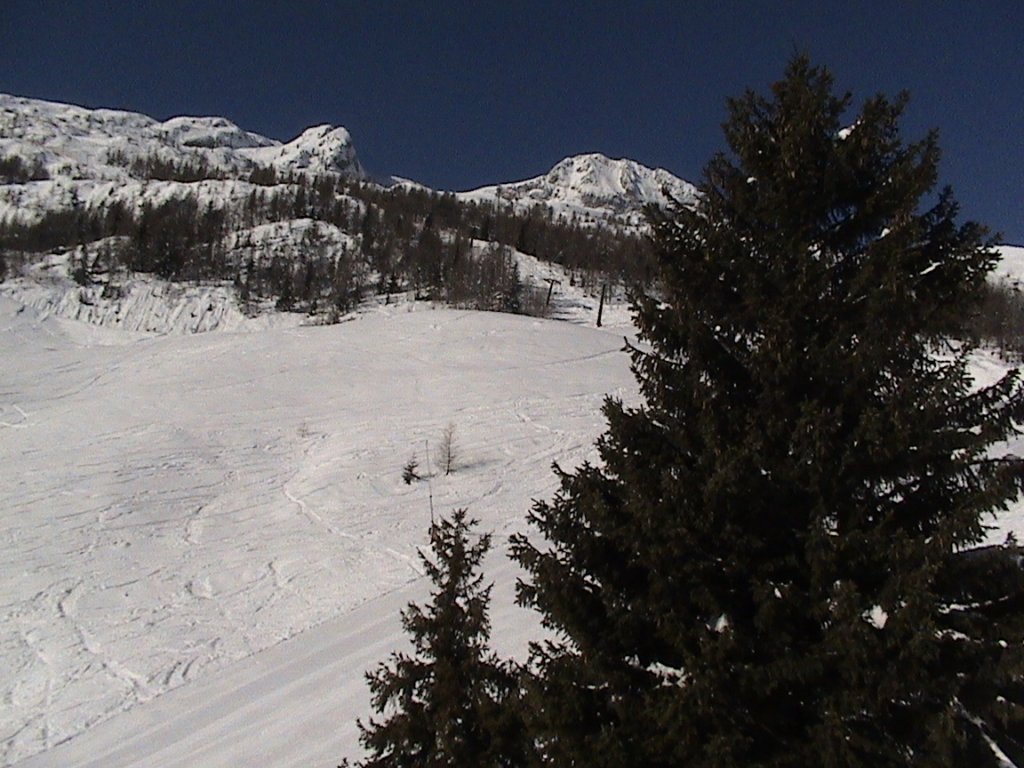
(410, 470)
(772, 565)
(449, 703)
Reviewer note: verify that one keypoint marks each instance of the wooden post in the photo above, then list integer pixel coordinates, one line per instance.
(551, 288)
(600, 307)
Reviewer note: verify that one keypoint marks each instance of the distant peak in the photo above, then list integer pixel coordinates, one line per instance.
(594, 185)
(320, 148)
(324, 131)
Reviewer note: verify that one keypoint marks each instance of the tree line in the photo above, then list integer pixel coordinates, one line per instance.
(400, 238)
(16, 170)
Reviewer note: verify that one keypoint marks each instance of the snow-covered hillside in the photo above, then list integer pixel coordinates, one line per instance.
(592, 188)
(144, 305)
(176, 504)
(206, 539)
(139, 305)
(89, 155)
(320, 149)
(298, 225)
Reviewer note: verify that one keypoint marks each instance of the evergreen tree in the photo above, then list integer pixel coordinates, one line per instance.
(448, 703)
(762, 571)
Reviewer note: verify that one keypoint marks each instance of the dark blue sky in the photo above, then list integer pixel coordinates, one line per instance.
(461, 94)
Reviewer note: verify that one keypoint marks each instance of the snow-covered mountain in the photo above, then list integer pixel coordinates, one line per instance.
(320, 149)
(593, 188)
(200, 197)
(72, 156)
(76, 142)
(88, 155)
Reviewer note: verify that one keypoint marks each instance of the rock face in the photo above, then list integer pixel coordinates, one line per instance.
(593, 188)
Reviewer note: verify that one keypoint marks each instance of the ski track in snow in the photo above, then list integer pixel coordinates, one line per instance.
(206, 540)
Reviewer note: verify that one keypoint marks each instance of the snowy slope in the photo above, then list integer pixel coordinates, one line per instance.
(177, 504)
(206, 539)
(210, 133)
(140, 305)
(146, 305)
(593, 188)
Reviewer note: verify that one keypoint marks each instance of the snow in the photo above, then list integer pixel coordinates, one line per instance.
(592, 188)
(28, 202)
(206, 538)
(669, 676)
(140, 304)
(147, 305)
(844, 133)
(285, 234)
(211, 132)
(144, 305)
(320, 149)
(573, 303)
(877, 617)
(1010, 268)
(88, 154)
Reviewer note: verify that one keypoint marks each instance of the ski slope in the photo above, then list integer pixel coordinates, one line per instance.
(206, 539)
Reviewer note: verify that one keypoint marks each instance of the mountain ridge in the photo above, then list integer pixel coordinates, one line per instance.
(81, 143)
(71, 142)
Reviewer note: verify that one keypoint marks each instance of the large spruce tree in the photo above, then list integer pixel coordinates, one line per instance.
(447, 704)
(768, 567)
